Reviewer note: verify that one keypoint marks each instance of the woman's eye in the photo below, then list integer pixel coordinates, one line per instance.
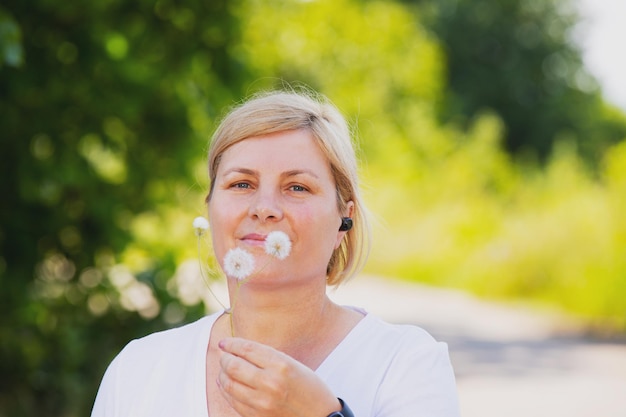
(297, 188)
(242, 185)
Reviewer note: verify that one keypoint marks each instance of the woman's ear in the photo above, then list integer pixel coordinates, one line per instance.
(349, 211)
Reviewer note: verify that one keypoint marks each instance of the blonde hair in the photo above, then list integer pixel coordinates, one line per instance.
(280, 111)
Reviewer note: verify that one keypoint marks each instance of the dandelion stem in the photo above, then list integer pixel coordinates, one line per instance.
(206, 279)
(231, 311)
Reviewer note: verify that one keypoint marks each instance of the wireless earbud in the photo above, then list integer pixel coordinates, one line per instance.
(346, 224)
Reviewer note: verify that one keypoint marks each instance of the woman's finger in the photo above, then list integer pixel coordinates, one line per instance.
(256, 353)
(233, 385)
(239, 369)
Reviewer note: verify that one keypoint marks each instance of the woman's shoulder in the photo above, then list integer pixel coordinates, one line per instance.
(385, 343)
(410, 334)
(374, 340)
(392, 369)
(153, 368)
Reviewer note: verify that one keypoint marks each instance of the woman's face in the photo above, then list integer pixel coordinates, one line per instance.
(282, 182)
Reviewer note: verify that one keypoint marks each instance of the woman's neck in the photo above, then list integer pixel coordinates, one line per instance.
(289, 319)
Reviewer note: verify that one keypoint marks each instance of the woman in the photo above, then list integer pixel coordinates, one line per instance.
(284, 162)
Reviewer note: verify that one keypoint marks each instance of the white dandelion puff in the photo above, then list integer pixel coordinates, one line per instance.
(200, 225)
(277, 244)
(238, 263)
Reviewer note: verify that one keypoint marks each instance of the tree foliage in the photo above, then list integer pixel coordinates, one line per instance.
(96, 129)
(517, 58)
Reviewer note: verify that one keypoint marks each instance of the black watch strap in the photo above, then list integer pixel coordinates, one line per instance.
(345, 410)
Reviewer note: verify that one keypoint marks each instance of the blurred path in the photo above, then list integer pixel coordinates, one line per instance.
(508, 361)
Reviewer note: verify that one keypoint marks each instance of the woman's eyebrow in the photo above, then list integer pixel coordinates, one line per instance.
(295, 172)
(238, 170)
(252, 172)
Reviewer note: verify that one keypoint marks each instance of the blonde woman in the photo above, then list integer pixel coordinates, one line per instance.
(283, 163)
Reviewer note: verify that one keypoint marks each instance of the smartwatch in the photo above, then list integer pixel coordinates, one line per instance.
(345, 410)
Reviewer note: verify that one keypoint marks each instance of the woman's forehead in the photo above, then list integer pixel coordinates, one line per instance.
(286, 151)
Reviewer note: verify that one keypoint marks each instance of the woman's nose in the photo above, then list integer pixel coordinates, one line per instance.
(266, 206)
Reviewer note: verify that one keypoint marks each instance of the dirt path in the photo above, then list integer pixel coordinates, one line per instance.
(509, 361)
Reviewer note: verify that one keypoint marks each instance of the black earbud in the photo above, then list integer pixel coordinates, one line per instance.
(346, 224)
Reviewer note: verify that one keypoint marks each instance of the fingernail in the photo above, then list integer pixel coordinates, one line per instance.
(221, 344)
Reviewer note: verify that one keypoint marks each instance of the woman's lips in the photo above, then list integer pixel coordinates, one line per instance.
(254, 239)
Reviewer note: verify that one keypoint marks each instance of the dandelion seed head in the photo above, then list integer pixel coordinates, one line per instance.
(200, 225)
(238, 263)
(277, 244)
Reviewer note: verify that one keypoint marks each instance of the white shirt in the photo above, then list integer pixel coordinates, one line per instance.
(379, 370)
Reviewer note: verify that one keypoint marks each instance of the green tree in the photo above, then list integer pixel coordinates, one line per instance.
(96, 128)
(517, 58)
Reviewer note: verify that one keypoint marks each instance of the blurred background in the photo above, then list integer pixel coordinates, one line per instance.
(493, 161)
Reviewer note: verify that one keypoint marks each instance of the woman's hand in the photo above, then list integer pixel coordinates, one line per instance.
(259, 381)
